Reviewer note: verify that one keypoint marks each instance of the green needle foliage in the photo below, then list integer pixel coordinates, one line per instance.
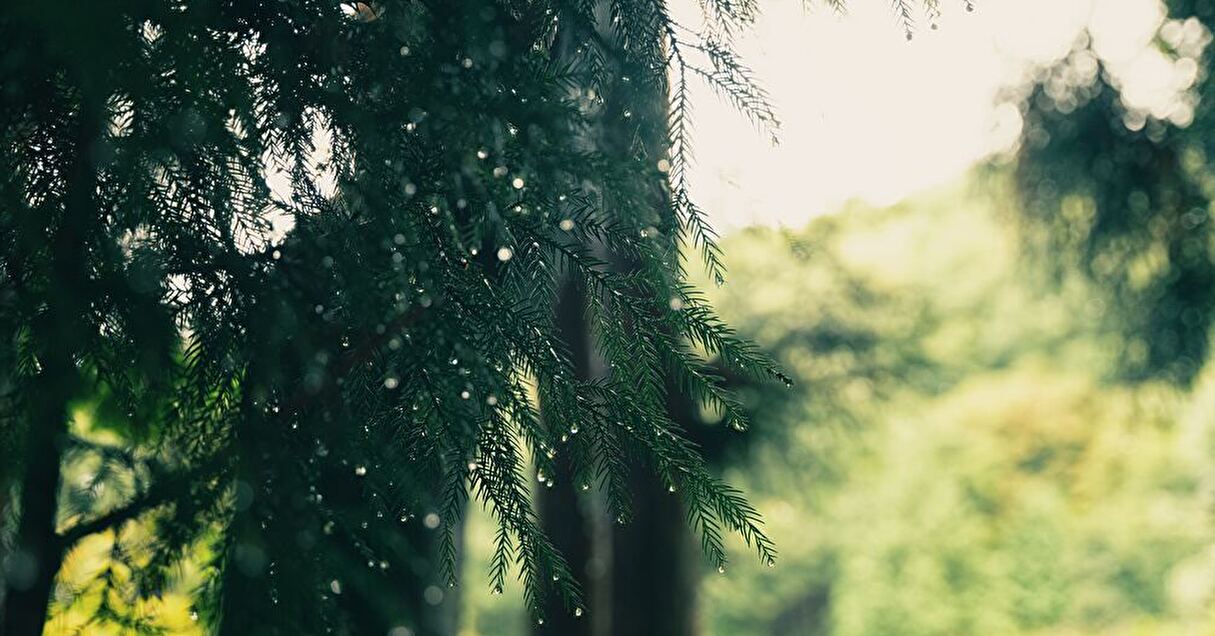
(307, 252)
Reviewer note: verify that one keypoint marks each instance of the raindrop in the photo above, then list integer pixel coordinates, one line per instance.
(577, 611)
(360, 470)
(505, 254)
(517, 183)
(566, 224)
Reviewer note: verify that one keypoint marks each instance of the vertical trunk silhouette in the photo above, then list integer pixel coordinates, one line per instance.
(654, 566)
(640, 578)
(31, 569)
(565, 513)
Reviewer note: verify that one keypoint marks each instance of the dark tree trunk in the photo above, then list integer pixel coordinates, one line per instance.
(655, 563)
(640, 579)
(653, 567)
(564, 512)
(31, 568)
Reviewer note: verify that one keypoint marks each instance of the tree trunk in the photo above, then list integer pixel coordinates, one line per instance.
(655, 562)
(36, 557)
(564, 513)
(31, 568)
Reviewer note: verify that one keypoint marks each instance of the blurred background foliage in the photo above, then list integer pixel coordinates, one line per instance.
(961, 454)
(999, 478)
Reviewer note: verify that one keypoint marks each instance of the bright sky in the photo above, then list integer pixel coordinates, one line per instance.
(868, 114)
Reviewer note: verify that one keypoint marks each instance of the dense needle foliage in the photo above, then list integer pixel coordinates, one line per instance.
(318, 365)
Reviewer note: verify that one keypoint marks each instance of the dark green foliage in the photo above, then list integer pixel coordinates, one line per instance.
(324, 393)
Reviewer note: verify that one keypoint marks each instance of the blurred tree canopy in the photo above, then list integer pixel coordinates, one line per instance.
(1124, 196)
(994, 480)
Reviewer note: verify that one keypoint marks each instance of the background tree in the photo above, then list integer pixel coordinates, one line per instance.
(1123, 196)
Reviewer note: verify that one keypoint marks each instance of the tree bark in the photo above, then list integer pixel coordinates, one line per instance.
(564, 513)
(655, 562)
(38, 553)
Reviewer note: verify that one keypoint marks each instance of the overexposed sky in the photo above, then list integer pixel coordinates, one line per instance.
(867, 114)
